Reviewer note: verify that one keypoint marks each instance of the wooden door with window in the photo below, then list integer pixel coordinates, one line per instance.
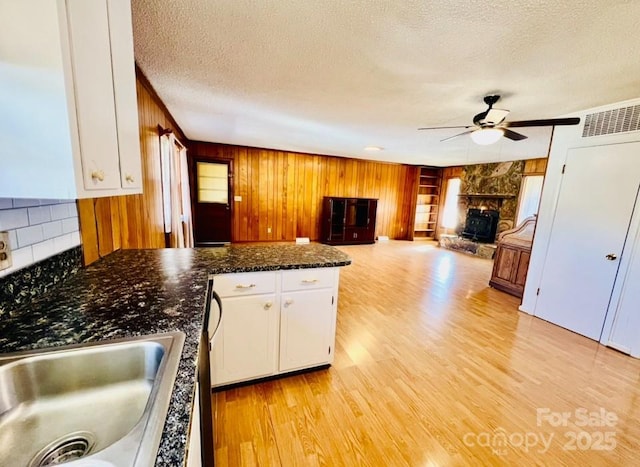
(212, 182)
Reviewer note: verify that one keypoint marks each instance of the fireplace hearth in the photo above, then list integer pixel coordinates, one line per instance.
(481, 225)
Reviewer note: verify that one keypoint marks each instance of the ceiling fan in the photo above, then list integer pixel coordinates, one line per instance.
(489, 126)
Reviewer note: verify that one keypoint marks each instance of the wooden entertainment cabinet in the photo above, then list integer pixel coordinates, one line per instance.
(511, 262)
(348, 221)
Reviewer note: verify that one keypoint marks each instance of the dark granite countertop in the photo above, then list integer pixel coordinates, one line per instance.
(271, 257)
(139, 292)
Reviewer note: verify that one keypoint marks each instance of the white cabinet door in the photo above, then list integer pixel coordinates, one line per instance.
(307, 321)
(245, 346)
(34, 112)
(68, 100)
(124, 88)
(596, 200)
(94, 98)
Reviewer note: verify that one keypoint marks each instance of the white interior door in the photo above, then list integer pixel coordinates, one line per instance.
(596, 201)
(623, 319)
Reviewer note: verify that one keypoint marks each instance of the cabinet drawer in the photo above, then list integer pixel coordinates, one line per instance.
(244, 283)
(303, 279)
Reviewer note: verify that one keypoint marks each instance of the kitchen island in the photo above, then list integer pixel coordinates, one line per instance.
(139, 292)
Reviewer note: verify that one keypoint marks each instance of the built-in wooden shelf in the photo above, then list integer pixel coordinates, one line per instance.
(427, 203)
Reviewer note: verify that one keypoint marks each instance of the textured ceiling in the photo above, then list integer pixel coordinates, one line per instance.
(333, 77)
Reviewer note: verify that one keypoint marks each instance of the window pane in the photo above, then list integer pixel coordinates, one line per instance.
(208, 169)
(213, 196)
(213, 182)
(450, 214)
(529, 196)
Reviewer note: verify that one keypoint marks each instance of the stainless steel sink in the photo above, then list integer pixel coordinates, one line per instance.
(101, 404)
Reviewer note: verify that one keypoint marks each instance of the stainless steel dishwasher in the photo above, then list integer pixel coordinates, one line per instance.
(212, 320)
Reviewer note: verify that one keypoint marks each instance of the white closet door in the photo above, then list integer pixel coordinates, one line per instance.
(597, 197)
(624, 313)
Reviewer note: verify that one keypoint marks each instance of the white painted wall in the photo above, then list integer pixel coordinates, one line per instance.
(38, 229)
(565, 138)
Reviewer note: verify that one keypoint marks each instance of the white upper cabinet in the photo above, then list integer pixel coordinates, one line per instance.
(125, 98)
(69, 120)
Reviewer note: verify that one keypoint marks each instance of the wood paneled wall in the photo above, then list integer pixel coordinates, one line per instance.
(535, 166)
(134, 221)
(283, 191)
(452, 172)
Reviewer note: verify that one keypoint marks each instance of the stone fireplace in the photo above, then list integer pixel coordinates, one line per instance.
(491, 187)
(480, 225)
(489, 192)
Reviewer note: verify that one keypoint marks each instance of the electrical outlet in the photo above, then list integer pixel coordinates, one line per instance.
(5, 251)
(268, 229)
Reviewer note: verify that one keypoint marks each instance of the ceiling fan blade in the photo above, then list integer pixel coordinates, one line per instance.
(512, 135)
(444, 127)
(495, 116)
(547, 122)
(455, 136)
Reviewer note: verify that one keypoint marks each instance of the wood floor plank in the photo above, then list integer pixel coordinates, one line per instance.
(432, 367)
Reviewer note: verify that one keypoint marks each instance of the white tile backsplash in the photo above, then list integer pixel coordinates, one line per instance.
(13, 239)
(70, 225)
(52, 229)
(39, 215)
(25, 203)
(62, 211)
(20, 258)
(11, 219)
(43, 250)
(66, 241)
(75, 238)
(38, 229)
(30, 235)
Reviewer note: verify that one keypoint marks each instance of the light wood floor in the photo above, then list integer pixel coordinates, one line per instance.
(434, 368)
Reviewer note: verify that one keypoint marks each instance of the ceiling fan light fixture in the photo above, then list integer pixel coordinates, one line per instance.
(486, 136)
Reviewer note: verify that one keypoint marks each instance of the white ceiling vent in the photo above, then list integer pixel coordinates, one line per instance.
(612, 121)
